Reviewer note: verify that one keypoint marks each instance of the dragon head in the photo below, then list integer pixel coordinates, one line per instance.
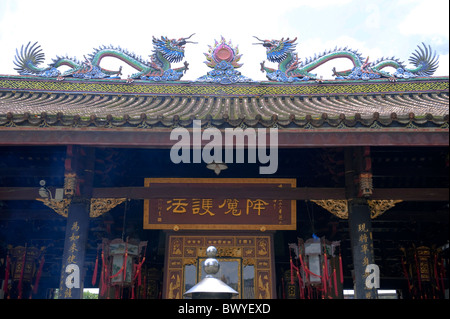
(171, 49)
(277, 50)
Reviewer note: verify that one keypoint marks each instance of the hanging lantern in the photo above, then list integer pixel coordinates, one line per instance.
(312, 250)
(318, 267)
(423, 270)
(121, 267)
(23, 267)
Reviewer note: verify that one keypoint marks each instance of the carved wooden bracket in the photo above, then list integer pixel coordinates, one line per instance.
(98, 206)
(339, 207)
(378, 207)
(61, 207)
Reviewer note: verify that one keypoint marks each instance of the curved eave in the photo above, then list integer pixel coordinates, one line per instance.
(349, 108)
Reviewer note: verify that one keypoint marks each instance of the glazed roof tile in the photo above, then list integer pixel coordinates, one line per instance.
(115, 103)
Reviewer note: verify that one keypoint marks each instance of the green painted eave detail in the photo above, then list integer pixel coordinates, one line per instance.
(256, 89)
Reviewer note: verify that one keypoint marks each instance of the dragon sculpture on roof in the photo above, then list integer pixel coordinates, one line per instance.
(291, 69)
(158, 68)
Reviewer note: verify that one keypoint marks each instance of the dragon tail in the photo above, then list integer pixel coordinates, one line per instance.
(425, 60)
(29, 58)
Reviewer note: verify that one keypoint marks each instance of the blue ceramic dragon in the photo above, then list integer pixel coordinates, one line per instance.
(290, 69)
(166, 51)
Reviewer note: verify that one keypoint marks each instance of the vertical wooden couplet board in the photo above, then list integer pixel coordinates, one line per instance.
(71, 284)
(360, 225)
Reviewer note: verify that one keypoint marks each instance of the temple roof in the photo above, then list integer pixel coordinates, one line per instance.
(31, 101)
(87, 95)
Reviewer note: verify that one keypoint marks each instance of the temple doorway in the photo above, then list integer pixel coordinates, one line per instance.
(247, 263)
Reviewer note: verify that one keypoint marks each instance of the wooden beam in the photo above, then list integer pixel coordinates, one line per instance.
(20, 193)
(412, 194)
(196, 191)
(235, 191)
(43, 213)
(286, 138)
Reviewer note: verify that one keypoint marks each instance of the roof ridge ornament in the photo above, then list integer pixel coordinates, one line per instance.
(223, 58)
(166, 51)
(291, 69)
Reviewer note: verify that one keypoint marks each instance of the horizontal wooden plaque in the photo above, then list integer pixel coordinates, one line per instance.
(220, 213)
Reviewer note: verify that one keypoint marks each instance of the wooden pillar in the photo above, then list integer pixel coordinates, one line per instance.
(79, 165)
(77, 229)
(357, 162)
(360, 225)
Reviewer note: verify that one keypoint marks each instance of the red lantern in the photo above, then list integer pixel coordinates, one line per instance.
(319, 265)
(24, 264)
(121, 267)
(422, 270)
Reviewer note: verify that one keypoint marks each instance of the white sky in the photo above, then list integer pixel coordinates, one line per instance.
(376, 28)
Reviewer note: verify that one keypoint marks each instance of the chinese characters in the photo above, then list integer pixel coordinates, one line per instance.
(72, 257)
(366, 248)
(211, 207)
(202, 211)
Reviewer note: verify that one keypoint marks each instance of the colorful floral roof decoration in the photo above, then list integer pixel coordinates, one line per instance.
(223, 58)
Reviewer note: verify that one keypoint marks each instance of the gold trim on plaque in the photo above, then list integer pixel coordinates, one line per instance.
(259, 227)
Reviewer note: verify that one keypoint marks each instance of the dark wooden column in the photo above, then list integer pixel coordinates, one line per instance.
(357, 163)
(79, 172)
(77, 228)
(360, 225)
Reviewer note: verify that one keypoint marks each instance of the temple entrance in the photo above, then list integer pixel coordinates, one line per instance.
(247, 263)
(241, 228)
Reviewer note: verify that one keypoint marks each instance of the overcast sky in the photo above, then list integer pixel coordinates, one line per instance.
(376, 28)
